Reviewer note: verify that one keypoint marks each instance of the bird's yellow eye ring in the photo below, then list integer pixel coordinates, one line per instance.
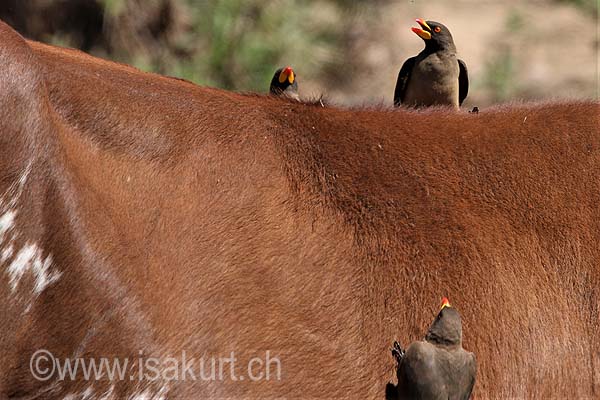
(437, 29)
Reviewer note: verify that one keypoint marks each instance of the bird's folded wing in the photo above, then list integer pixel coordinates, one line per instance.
(402, 82)
(463, 82)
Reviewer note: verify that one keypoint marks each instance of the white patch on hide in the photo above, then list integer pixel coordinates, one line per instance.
(29, 259)
(7, 221)
(6, 253)
(148, 394)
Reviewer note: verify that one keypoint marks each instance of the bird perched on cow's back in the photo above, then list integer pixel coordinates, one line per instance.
(435, 76)
(437, 367)
(284, 83)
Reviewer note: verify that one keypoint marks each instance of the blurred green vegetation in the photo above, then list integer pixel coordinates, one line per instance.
(499, 76)
(238, 44)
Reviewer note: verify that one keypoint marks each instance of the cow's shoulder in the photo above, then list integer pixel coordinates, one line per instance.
(19, 69)
(24, 107)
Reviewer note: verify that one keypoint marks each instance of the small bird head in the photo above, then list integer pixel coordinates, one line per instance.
(284, 82)
(435, 35)
(447, 326)
(445, 303)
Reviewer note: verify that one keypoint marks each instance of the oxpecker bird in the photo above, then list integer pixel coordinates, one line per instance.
(284, 83)
(435, 76)
(437, 367)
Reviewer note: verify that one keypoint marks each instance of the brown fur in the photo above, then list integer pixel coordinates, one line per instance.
(192, 218)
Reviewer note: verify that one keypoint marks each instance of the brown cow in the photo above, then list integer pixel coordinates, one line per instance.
(143, 216)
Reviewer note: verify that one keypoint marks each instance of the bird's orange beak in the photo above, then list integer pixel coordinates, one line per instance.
(424, 32)
(445, 303)
(287, 75)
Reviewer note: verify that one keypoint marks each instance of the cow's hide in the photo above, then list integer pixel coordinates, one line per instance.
(143, 216)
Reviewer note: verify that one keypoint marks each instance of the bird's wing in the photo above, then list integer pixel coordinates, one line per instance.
(418, 373)
(463, 82)
(402, 82)
(472, 371)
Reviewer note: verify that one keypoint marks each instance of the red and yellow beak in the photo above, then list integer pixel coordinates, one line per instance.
(445, 303)
(287, 75)
(424, 32)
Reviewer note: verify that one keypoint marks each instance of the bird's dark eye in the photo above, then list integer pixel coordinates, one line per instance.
(437, 29)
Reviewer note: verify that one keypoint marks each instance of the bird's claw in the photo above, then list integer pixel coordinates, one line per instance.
(398, 352)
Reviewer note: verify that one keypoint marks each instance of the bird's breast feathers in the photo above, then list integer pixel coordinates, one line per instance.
(438, 67)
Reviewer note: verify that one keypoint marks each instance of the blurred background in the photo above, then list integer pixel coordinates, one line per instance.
(351, 51)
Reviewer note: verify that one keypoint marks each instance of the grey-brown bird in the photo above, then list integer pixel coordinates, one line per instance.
(284, 83)
(437, 367)
(435, 76)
